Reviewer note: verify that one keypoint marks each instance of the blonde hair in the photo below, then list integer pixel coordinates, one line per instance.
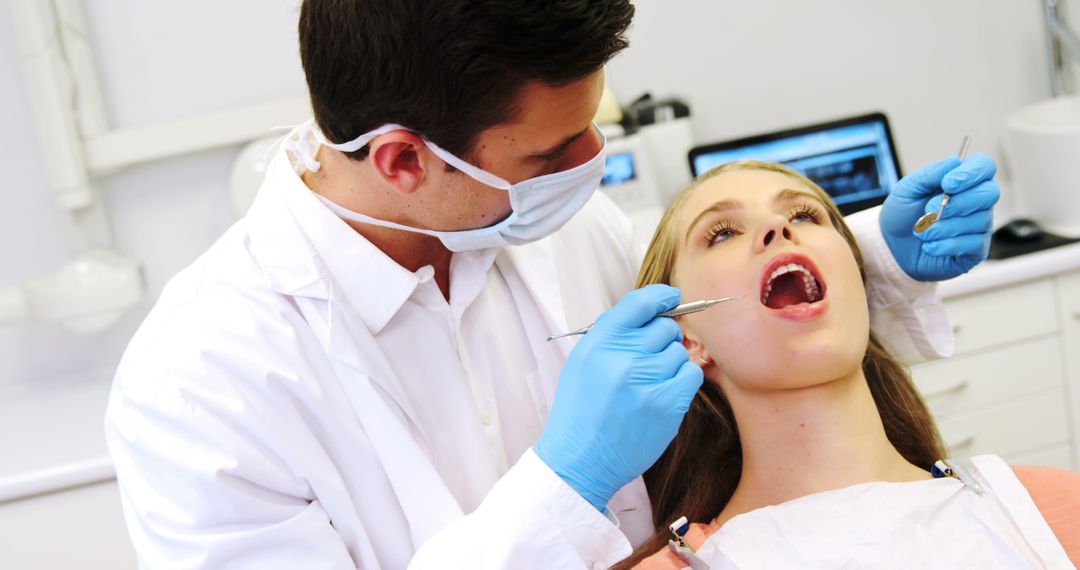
(698, 472)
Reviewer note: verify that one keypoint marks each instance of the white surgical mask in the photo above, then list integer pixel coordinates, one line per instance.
(540, 205)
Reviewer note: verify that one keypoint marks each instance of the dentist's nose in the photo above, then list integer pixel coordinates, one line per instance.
(775, 231)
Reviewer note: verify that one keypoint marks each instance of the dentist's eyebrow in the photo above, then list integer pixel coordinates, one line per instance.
(718, 207)
(562, 145)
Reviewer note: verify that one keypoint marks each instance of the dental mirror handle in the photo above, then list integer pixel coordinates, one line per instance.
(930, 218)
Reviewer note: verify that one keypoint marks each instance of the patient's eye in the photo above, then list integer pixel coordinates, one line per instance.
(721, 231)
(806, 213)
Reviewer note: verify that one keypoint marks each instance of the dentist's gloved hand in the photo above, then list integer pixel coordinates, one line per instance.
(621, 396)
(961, 238)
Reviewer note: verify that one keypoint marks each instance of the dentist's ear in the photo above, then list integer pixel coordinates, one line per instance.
(398, 157)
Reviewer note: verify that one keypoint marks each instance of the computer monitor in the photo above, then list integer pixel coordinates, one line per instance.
(854, 160)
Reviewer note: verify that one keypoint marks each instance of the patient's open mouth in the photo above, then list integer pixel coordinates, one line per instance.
(791, 279)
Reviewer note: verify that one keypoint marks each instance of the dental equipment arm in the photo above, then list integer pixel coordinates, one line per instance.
(1064, 45)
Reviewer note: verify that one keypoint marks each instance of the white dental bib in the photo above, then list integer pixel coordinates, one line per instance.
(936, 523)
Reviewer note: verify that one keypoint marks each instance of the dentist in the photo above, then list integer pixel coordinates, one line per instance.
(356, 373)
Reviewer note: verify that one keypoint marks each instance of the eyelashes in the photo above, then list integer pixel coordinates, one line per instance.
(721, 228)
(809, 210)
(726, 229)
(557, 154)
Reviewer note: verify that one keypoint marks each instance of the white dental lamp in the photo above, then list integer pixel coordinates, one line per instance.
(93, 290)
(88, 294)
(1042, 140)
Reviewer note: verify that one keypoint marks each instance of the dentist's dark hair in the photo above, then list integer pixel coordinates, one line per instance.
(698, 472)
(447, 69)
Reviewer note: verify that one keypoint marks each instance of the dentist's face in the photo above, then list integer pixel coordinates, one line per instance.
(804, 318)
(551, 132)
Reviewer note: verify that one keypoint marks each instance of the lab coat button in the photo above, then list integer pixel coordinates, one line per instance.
(485, 418)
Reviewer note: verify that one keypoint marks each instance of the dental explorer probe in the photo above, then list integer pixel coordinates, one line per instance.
(930, 218)
(683, 309)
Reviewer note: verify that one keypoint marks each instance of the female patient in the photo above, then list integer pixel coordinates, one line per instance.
(808, 445)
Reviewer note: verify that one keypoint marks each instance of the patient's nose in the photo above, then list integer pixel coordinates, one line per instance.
(771, 234)
(776, 230)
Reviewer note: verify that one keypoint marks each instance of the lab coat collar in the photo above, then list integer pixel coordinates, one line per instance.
(307, 252)
(298, 243)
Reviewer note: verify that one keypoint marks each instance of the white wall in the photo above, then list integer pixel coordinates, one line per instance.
(940, 69)
(157, 61)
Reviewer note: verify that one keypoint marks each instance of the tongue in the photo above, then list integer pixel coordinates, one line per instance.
(788, 289)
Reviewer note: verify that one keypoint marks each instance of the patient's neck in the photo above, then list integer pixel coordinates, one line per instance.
(800, 442)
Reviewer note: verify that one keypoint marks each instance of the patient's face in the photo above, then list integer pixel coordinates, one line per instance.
(804, 320)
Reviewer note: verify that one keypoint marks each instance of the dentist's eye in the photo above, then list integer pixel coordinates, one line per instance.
(806, 213)
(720, 232)
(557, 154)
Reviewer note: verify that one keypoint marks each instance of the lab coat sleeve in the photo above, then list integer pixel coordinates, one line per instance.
(201, 483)
(530, 519)
(905, 314)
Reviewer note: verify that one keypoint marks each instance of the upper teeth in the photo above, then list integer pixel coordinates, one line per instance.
(808, 280)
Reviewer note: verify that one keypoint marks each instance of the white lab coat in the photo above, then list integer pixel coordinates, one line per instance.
(255, 424)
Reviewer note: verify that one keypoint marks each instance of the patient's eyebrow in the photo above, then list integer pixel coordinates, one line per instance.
(790, 195)
(721, 206)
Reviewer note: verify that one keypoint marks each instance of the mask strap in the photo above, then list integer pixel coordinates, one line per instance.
(304, 142)
(489, 178)
(303, 146)
(359, 142)
(473, 172)
(345, 213)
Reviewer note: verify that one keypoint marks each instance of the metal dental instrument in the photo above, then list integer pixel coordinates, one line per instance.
(684, 551)
(930, 218)
(684, 309)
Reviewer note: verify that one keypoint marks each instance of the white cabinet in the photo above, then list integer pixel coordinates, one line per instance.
(1006, 390)
(1069, 300)
(78, 528)
(1003, 316)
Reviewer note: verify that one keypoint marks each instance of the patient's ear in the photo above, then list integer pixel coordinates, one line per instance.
(693, 345)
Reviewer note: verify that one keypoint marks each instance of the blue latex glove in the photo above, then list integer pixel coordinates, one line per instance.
(621, 396)
(961, 238)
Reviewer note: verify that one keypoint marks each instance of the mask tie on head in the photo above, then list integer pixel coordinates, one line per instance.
(301, 143)
(304, 142)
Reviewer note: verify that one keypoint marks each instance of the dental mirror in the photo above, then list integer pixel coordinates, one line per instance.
(930, 218)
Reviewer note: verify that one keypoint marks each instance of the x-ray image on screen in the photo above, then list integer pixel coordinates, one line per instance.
(853, 160)
(846, 175)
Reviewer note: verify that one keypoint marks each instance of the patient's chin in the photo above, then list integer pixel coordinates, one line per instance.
(796, 367)
(761, 351)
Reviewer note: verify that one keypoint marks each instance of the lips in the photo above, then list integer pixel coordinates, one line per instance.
(791, 283)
